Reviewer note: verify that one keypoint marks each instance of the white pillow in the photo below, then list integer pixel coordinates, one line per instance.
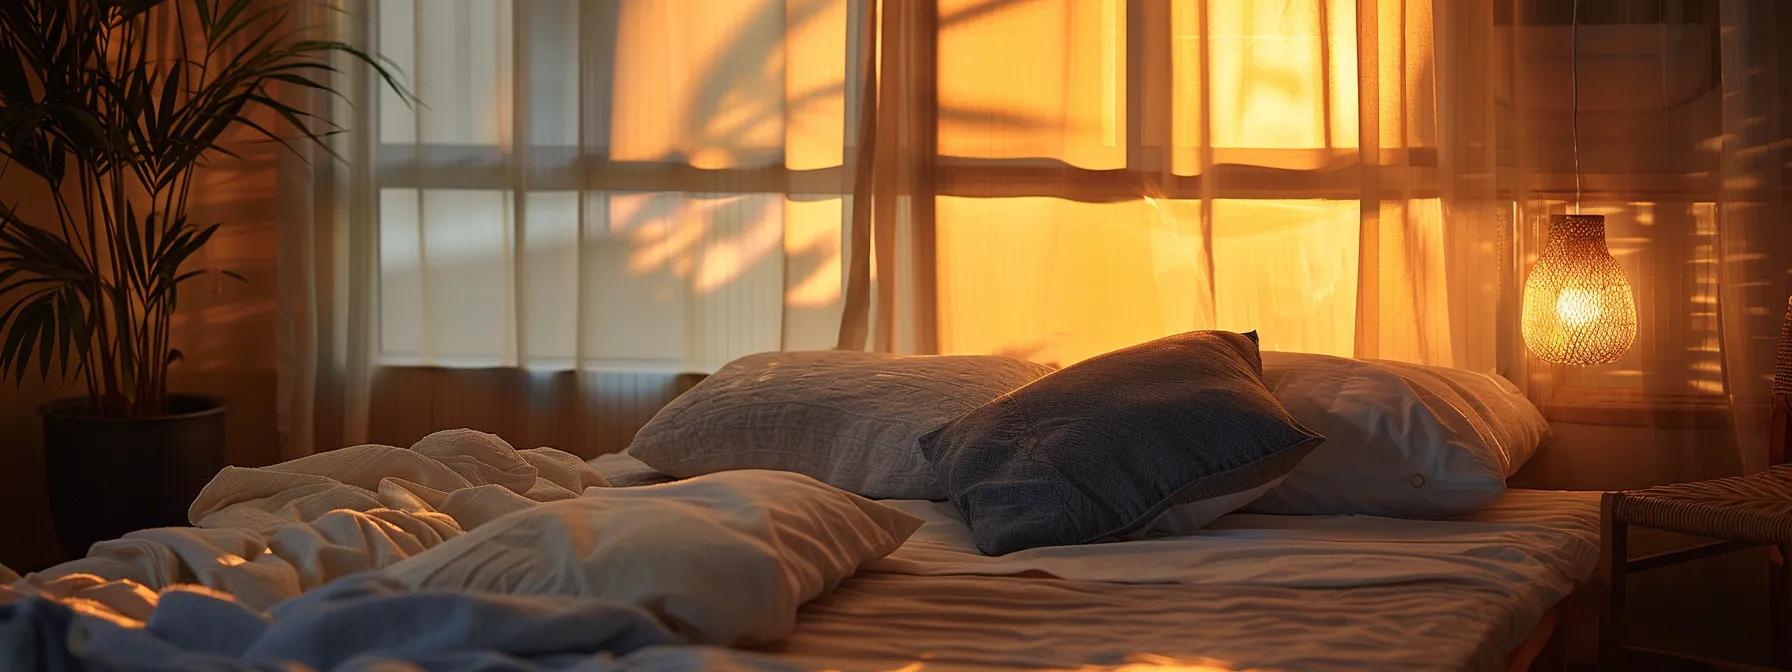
(1192, 517)
(850, 419)
(1402, 440)
(723, 559)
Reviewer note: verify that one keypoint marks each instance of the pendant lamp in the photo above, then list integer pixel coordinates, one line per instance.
(1578, 306)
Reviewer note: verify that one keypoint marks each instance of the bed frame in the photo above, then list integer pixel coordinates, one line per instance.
(1544, 649)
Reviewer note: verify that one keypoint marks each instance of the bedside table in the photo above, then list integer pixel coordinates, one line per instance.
(1738, 511)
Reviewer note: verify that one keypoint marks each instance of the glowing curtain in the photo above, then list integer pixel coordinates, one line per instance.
(590, 189)
(1112, 171)
(1365, 178)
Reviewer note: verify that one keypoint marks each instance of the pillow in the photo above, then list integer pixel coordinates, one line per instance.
(1402, 440)
(724, 559)
(849, 419)
(1102, 448)
(1192, 517)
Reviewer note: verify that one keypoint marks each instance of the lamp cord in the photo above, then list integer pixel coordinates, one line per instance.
(1574, 95)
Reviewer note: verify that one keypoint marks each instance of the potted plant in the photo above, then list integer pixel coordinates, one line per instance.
(111, 106)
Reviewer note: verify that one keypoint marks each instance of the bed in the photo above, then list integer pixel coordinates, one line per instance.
(772, 553)
(1255, 592)
(1407, 589)
(1250, 592)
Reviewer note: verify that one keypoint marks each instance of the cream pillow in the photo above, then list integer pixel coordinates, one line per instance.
(722, 559)
(1402, 440)
(849, 419)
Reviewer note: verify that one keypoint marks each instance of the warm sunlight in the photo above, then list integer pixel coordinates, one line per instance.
(1039, 79)
(903, 335)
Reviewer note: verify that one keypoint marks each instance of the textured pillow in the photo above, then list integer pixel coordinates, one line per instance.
(723, 559)
(849, 419)
(1100, 449)
(1402, 440)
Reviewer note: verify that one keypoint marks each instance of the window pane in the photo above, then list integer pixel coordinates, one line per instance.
(1301, 297)
(1058, 281)
(1044, 79)
(1055, 280)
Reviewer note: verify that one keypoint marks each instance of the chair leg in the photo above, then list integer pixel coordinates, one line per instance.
(1612, 578)
(1780, 590)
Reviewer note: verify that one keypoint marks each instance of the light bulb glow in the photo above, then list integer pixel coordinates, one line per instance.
(1578, 306)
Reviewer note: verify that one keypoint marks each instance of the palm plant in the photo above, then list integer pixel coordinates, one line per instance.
(112, 105)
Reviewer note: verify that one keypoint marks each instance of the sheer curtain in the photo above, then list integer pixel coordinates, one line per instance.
(586, 199)
(593, 196)
(1155, 167)
(1682, 122)
(611, 185)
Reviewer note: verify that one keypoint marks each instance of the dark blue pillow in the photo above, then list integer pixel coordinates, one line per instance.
(1099, 449)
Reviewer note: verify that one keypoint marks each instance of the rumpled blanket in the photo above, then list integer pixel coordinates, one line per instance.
(281, 572)
(268, 534)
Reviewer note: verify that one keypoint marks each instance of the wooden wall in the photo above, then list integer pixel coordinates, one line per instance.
(585, 413)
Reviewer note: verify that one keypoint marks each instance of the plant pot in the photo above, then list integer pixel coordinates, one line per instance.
(109, 476)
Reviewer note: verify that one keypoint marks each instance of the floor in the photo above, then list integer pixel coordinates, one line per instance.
(1713, 608)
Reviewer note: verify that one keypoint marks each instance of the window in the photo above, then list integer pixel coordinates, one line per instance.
(666, 184)
(620, 185)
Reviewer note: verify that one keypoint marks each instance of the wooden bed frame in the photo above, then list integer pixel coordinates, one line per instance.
(1544, 649)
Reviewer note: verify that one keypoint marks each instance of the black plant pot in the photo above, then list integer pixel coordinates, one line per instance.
(109, 476)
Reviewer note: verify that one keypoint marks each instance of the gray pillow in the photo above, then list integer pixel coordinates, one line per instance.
(848, 419)
(1099, 449)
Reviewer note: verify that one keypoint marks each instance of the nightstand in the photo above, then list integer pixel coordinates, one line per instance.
(1737, 512)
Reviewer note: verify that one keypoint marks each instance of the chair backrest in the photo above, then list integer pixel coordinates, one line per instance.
(1779, 445)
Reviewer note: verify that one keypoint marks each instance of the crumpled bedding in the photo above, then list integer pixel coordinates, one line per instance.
(291, 567)
(267, 534)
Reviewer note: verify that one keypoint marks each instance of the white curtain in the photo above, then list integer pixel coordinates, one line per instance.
(611, 184)
(1155, 167)
(592, 196)
(1753, 208)
(586, 199)
(327, 265)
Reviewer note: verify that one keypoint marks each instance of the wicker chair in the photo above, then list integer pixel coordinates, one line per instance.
(1739, 511)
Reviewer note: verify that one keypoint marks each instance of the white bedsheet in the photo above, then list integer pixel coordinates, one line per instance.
(1250, 592)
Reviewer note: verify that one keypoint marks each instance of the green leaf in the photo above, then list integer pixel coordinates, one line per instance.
(227, 21)
(17, 350)
(46, 341)
(69, 318)
(170, 92)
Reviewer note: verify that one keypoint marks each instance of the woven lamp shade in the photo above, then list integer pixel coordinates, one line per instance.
(1578, 307)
